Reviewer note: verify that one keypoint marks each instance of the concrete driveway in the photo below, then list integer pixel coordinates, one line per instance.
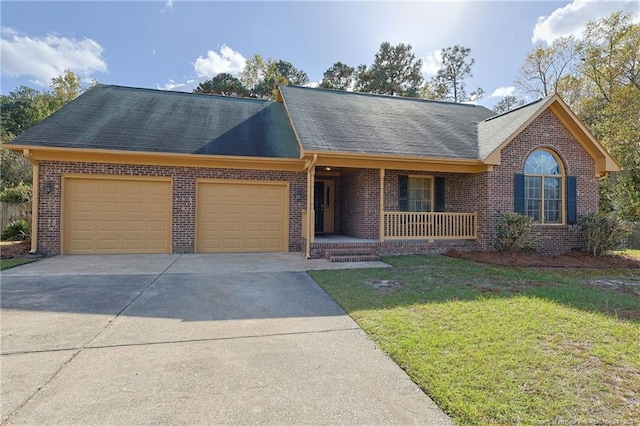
(191, 339)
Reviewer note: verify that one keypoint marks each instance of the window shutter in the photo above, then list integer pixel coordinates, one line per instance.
(572, 196)
(439, 195)
(518, 186)
(403, 193)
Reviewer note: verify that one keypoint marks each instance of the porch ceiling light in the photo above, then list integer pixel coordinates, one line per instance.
(328, 169)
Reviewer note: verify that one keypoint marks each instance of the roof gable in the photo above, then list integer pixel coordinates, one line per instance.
(146, 120)
(348, 122)
(496, 132)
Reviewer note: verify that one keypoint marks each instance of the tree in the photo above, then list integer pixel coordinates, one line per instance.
(64, 89)
(22, 109)
(262, 78)
(610, 53)
(255, 69)
(599, 78)
(395, 71)
(610, 72)
(340, 76)
(507, 104)
(449, 82)
(222, 84)
(543, 67)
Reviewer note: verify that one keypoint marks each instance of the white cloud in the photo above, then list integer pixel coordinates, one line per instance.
(187, 86)
(313, 84)
(228, 61)
(43, 58)
(572, 18)
(168, 5)
(501, 92)
(432, 62)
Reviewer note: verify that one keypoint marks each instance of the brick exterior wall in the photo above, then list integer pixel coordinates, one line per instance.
(546, 131)
(184, 193)
(487, 194)
(360, 203)
(357, 193)
(462, 193)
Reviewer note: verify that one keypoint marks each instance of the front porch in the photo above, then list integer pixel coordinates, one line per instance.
(372, 212)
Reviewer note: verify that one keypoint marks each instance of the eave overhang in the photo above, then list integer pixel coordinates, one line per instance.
(397, 162)
(44, 153)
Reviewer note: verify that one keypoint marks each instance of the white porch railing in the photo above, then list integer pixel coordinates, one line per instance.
(430, 226)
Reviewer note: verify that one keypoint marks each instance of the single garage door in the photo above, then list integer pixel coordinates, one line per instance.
(241, 216)
(110, 215)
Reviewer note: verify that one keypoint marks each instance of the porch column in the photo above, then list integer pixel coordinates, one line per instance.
(311, 217)
(381, 233)
(35, 200)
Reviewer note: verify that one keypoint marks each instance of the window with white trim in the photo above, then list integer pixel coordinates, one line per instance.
(420, 194)
(543, 183)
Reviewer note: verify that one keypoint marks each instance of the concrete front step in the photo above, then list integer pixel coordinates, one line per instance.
(352, 254)
(354, 258)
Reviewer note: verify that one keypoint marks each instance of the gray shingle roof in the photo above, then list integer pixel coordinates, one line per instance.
(493, 131)
(338, 121)
(132, 119)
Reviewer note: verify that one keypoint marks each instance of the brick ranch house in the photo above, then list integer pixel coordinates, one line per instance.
(129, 170)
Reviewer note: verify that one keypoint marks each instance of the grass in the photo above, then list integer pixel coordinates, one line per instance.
(495, 345)
(11, 263)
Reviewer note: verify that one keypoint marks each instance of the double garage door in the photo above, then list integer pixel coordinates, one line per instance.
(111, 215)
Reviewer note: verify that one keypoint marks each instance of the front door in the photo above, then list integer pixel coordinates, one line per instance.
(323, 204)
(318, 206)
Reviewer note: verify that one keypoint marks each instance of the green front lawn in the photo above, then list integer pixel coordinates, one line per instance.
(496, 345)
(10, 263)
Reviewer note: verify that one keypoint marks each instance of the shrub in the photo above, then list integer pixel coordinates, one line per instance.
(18, 194)
(17, 230)
(603, 233)
(633, 239)
(515, 231)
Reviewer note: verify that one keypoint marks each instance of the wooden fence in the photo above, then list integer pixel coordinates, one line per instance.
(10, 212)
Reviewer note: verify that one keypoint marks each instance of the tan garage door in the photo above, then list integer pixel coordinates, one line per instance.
(241, 216)
(105, 215)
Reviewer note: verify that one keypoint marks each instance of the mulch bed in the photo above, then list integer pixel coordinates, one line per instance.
(20, 249)
(574, 259)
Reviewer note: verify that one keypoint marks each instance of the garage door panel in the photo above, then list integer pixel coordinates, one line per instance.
(108, 189)
(107, 226)
(105, 215)
(83, 226)
(157, 208)
(253, 226)
(241, 217)
(273, 227)
(83, 207)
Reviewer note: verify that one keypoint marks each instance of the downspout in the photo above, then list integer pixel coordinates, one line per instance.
(311, 172)
(34, 200)
(381, 215)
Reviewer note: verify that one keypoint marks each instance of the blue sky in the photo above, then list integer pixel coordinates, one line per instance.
(176, 44)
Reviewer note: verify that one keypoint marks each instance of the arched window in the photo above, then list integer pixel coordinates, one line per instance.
(543, 183)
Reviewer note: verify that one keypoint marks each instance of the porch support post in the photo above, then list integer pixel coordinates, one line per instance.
(381, 234)
(311, 217)
(35, 200)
